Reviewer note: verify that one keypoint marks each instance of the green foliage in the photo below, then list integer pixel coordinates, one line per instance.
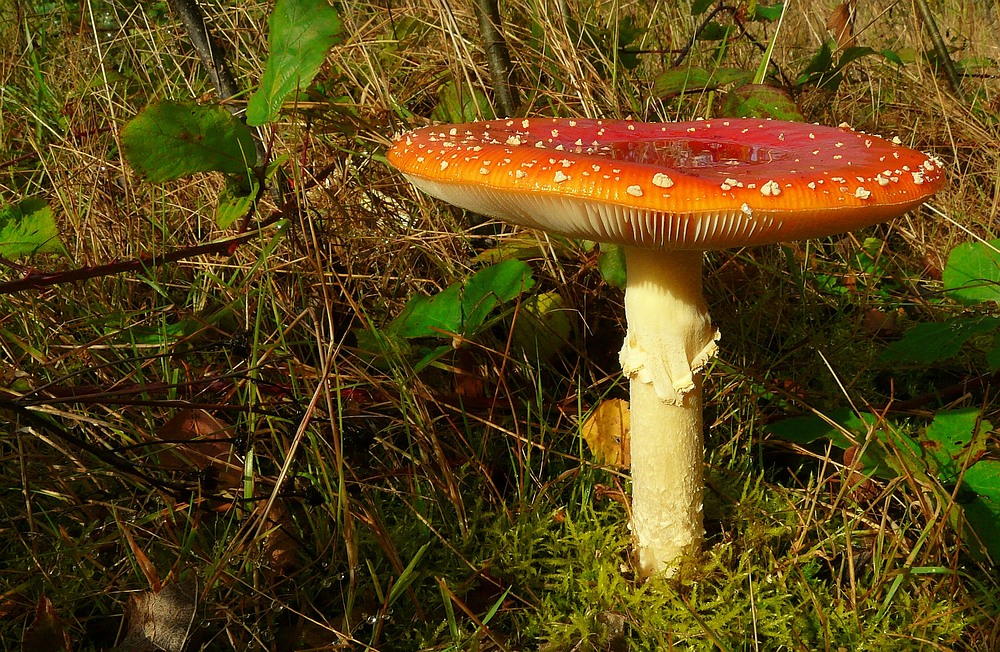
(235, 200)
(827, 74)
(698, 7)
(971, 276)
(457, 104)
(954, 440)
(762, 98)
(683, 80)
(611, 263)
(952, 444)
(972, 273)
(769, 13)
(844, 428)
(761, 101)
(462, 308)
(28, 228)
(301, 33)
(169, 140)
(934, 342)
(543, 325)
(982, 510)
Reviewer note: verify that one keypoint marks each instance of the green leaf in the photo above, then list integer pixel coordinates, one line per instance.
(492, 286)
(821, 70)
(543, 325)
(983, 512)
(807, 429)
(424, 316)
(458, 104)
(821, 63)
(972, 273)
(699, 7)
(954, 438)
(235, 200)
(611, 263)
(768, 12)
(462, 308)
(169, 140)
(891, 56)
(852, 54)
(761, 101)
(301, 33)
(714, 31)
(879, 455)
(683, 80)
(27, 228)
(379, 347)
(933, 342)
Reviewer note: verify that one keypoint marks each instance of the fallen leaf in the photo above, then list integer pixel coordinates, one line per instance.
(469, 382)
(47, 633)
(281, 548)
(143, 560)
(860, 486)
(196, 441)
(160, 621)
(841, 23)
(606, 432)
(877, 323)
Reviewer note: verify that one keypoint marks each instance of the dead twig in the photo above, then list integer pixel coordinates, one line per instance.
(497, 57)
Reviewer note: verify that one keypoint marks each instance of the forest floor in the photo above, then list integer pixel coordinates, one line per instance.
(211, 444)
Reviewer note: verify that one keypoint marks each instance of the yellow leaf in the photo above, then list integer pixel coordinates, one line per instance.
(606, 432)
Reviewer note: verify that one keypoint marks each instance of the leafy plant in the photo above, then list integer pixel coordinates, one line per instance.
(169, 140)
(946, 454)
(952, 447)
(971, 277)
(301, 33)
(27, 228)
(828, 73)
(826, 69)
(456, 104)
(461, 310)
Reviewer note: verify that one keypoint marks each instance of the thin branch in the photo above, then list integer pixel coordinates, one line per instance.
(211, 55)
(35, 280)
(944, 58)
(497, 57)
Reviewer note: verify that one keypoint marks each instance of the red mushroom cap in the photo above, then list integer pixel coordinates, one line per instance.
(682, 185)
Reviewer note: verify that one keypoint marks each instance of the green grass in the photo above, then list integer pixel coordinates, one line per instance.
(342, 500)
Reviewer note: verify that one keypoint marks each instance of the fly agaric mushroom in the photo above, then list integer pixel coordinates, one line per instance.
(667, 192)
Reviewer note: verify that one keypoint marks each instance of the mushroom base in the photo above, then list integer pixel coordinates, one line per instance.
(670, 339)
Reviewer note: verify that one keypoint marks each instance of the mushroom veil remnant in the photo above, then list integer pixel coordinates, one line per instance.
(667, 192)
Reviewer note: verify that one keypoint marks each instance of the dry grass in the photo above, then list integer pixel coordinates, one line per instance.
(327, 475)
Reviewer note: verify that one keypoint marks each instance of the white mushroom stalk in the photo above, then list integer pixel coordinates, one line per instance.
(667, 192)
(670, 339)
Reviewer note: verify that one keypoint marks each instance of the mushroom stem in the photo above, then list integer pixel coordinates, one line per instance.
(670, 339)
